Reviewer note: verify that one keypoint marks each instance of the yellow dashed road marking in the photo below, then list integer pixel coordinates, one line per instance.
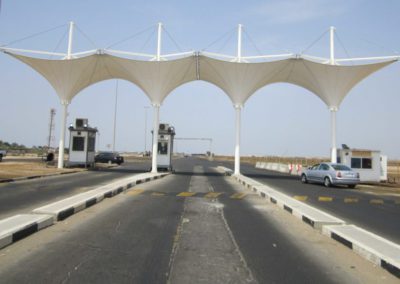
(212, 194)
(325, 198)
(397, 201)
(186, 194)
(238, 195)
(158, 194)
(376, 201)
(300, 197)
(350, 200)
(136, 191)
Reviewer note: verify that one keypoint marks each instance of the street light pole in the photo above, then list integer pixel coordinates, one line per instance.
(145, 129)
(115, 115)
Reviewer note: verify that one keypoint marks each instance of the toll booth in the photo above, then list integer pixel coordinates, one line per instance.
(166, 134)
(82, 143)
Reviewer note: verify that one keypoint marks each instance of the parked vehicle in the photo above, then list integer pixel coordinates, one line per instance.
(331, 174)
(3, 153)
(109, 157)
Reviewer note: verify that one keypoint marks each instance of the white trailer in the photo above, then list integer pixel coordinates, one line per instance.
(370, 164)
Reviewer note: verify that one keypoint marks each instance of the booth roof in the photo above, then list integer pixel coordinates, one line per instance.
(157, 79)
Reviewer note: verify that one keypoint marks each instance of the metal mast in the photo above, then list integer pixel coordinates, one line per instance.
(51, 128)
(156, 108)
(238, 109)
(65, 105)
(333, 109)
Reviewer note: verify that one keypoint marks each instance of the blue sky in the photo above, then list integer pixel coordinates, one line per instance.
(279, 119)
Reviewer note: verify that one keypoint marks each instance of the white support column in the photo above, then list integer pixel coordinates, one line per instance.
(70, 36)
(238, 109)
(333, 111)
(239, 48)
(62, 134)
(156, 125)
(332, 46)
(65, 104)
(159, 42)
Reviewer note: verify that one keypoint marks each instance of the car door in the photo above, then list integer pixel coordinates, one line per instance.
(312, 172)
(322, 172)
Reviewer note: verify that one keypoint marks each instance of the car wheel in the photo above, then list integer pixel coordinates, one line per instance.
(352, 186)
(1, 157)
(304, 179)
(327, 182)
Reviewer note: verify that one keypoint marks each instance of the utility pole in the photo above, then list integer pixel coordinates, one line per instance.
(115, 115)
(51, 128)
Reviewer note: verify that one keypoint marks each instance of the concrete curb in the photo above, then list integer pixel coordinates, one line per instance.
(376, 249)
(64, 208)
(20, 226)
(310, 215)
(366, 244)
(37, 176)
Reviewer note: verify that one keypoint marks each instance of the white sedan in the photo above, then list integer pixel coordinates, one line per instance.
(331, 174)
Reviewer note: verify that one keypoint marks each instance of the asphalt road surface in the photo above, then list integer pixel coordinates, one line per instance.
(373, 212)
(23, 196)
(196, 226)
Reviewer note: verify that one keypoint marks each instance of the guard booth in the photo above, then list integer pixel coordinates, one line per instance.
(370, 164)
(82, 143)
(165, 147)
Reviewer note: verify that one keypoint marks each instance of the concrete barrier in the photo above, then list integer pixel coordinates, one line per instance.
(20, 226)
(372, 247)
(292, 169)
(310, 215)
(368, 245)
(62, 209)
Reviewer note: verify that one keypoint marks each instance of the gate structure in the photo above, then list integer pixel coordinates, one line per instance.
(238, 76)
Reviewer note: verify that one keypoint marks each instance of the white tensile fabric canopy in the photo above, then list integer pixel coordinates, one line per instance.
(331, 83)
(239, 80)
(156, 78)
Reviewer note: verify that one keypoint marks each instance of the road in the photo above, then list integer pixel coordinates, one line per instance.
(23, 196)
(375, 213)
(196, 226)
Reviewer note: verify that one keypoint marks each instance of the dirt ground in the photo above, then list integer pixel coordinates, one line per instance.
(16, 167)
(30, 166)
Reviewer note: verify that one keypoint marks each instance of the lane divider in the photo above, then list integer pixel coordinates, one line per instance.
(372, 247)
(20, 226)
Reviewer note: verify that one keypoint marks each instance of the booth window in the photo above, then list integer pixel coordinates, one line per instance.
(366, 163)
(163, 148)
(361, 163)
(91, 144)
(78, 143)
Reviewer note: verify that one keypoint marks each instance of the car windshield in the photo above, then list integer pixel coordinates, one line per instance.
(341, 168)
(106, 154)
